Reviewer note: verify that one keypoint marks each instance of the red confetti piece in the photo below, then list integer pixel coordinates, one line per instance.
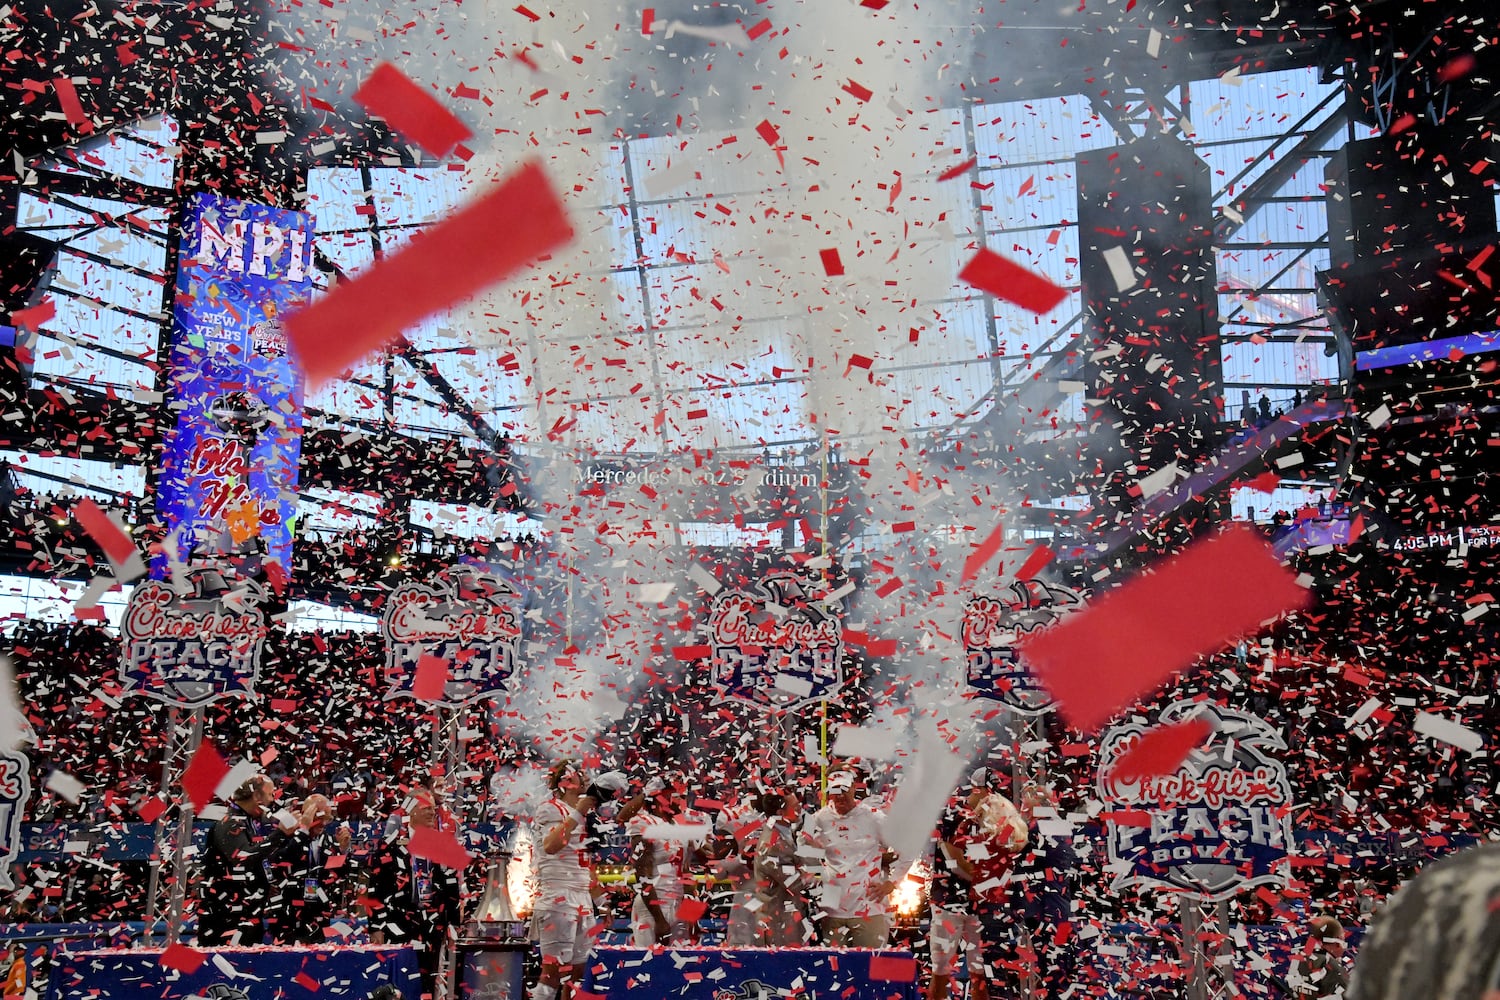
(1040, 557)
(1161, 750)
(1266, 482)
(411, 110)
(892, 969)
(984, 553)
(182, 958)
(202, 776)
(990, 272)
(525, 11)
(35, 316)
(832, 266)
(307, 982)
(857, 92)
(1455, 68)
(440, 847)
(686, 653)
(1127, 817)
(958, 171)
(1128, 642)
(151, 808)
(447, 263)
(431, 679)
(690, 909)
(124, 557)
(768, 132)
(647, 16)
(874, 4)
(759, 28)
(889, 587)
(67, 97)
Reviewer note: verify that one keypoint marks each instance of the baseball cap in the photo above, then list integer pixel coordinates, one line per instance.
(840, 781)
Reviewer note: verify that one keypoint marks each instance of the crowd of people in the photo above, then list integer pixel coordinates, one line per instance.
(1001, 890)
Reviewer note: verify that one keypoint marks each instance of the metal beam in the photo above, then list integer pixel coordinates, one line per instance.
(423, 366)
(1279, 173)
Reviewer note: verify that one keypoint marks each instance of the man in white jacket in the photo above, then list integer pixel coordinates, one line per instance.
(848, 836)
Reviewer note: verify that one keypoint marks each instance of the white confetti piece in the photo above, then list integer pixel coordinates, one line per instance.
(1120, 269)
(703, 578)
(234, 778)
(1159, 480)
(1447, 731)
(65, 785)
(685, 833)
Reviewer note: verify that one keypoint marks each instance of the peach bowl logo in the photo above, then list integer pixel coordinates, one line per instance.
(994, 624)
(15, 789)
(192, 649)
(774, 646)
(467, 619)
(1218, 824)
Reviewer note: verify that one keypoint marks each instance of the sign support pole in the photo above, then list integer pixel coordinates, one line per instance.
(1196, 982)
(184, 837)
(159, 828)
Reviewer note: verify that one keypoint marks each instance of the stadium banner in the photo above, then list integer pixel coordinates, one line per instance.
(15, 789)
(231, 461)
(451, 641)
(777, 645)
(191, 649)
(992, 626)
(1219, 823)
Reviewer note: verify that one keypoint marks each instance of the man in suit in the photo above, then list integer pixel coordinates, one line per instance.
(315, 869)
(242, 848)
(411, 899)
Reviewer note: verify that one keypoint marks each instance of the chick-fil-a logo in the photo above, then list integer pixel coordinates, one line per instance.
(1216, 825)
(992, 626)
(465, 618)
(190, 650)
(776, 648)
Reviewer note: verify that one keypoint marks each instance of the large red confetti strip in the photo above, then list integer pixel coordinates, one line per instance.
(67, 98)
(1161, 750)
(33, 317)
(182, 958)
(440, 847)
(1039, 558)
(124, 558)
(1127, 643)
(490, 238)
(983, 553)
(202, 776)
(892, 969)
(990, 272)
(412, 111)
(431, 679)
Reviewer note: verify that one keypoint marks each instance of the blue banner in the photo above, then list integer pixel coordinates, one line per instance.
(342, 973)
(750, 973)
(231, 463)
